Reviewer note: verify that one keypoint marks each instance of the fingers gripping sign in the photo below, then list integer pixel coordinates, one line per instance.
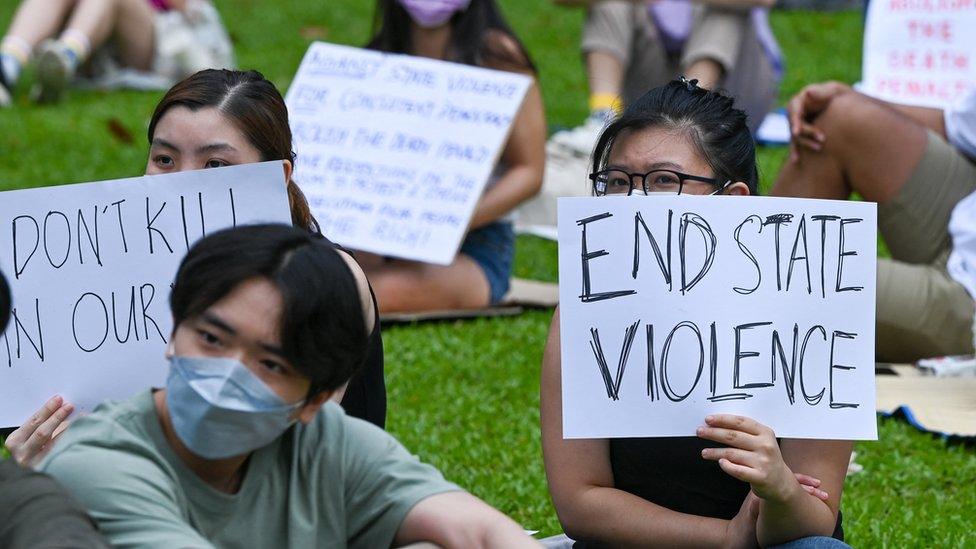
(752, 455)
(34, 439)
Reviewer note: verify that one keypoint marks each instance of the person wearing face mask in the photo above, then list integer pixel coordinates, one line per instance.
(220, 118)
(243, 447)
(686, 491)
(472, 32)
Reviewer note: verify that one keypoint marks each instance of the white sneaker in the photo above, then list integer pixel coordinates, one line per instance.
(580, 140)
(55, 70)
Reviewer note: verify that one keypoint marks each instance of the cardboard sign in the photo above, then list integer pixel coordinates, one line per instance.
(672, 308)
(919, 52)
(394, 151)
(90, 267)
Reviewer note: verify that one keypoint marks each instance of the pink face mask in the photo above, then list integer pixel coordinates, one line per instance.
(433, 13)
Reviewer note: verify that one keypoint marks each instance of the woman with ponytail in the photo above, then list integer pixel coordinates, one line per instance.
(212, 119)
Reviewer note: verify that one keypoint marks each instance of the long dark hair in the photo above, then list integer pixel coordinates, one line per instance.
(323, 333)
(718, 130)
(256, 108)
(476, 36)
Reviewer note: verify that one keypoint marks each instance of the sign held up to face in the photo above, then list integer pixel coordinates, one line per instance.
(394, 151)
(90, 267)
(672, 308)
(919, 52)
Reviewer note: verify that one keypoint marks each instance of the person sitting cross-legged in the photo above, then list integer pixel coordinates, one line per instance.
(243, 447)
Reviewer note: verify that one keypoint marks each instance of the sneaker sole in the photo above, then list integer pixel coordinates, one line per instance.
(5, 98)
(52, 76)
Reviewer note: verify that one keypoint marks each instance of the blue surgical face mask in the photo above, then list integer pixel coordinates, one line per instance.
(220, 409)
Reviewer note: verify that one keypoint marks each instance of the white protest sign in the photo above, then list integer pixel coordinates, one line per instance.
(394, 151)
(919, 52)
(672, 308)
(90, 267)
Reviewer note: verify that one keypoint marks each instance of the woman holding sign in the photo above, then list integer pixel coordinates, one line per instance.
(472, 32)
(221, 118)
(735, 484)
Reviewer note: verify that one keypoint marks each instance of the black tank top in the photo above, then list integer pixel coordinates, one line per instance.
(670, 472)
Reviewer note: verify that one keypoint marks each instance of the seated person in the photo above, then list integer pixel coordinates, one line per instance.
(917, 164)
(36, 511)
(472, 32)
(631, 46)
(243, 447)
(736, 484)
(166, 40)
(209, 120)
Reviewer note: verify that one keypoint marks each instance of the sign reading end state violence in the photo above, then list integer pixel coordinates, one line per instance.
(394, 151)
(90, 267)
(673, 308)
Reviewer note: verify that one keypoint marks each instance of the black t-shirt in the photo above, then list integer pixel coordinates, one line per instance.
(37, 512)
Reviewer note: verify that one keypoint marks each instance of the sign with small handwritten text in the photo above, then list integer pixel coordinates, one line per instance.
(90, 266)
(672, 308)
(920, 52)
(394, 151)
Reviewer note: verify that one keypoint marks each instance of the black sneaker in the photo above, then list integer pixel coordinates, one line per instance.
(6, 98)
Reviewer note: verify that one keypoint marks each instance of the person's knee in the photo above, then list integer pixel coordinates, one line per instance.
(845, 114)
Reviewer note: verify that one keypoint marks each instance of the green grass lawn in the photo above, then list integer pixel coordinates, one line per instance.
(480, 423)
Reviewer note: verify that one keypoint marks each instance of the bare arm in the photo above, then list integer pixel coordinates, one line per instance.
(458, 519)
(524, 156)
(583, 493)
(800, 514)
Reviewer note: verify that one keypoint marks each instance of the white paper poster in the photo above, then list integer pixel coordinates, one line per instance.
(394, 151)
(90, 267)
(672, 308)
(919, 52)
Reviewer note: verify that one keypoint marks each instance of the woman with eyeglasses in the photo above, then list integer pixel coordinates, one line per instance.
(735, 484)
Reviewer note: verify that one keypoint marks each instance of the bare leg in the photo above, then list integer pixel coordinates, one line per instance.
(605, 73)
(870, 148)
(708, 72)
(413, 286)
(37, 20)
(130, 22)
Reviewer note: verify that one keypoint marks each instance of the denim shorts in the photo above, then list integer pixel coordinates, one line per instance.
(492, 247)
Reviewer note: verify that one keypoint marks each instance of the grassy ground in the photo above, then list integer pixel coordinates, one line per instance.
(479, 422)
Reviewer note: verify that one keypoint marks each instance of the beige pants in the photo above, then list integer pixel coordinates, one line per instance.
(625, 30)
(922, 312)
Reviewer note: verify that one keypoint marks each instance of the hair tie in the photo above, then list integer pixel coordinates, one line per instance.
(692, 84)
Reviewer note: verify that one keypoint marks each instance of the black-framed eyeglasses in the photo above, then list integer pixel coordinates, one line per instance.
(616, 182)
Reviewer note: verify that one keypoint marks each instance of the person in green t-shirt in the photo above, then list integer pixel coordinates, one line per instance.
(243, 447)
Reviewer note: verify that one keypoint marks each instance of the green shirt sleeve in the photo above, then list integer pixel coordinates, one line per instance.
(132, 498)
(382, 483)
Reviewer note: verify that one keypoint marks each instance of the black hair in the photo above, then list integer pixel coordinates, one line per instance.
(717, 129)
(4, 303)
(480, 36)
(323, 332)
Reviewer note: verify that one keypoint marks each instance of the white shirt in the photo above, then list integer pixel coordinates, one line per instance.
(960, 123)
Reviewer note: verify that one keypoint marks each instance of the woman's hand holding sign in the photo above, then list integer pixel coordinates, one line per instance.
(32, 440)
(753, 455)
